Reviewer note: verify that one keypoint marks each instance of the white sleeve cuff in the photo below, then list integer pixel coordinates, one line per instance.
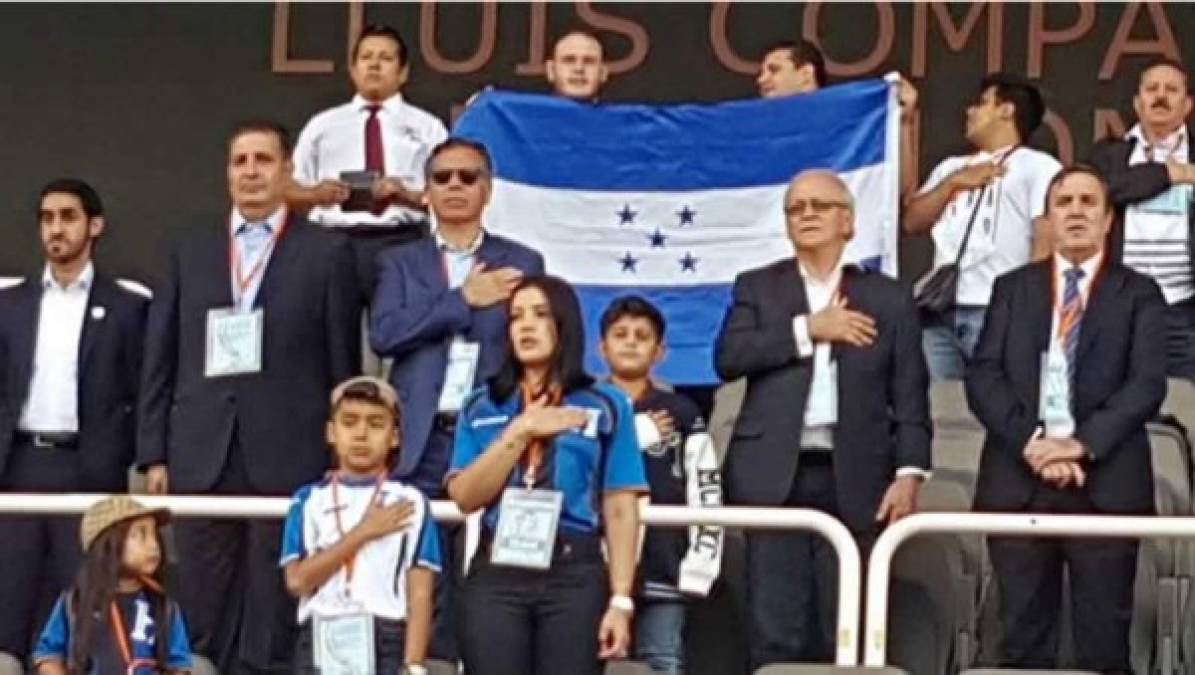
(801, 333)
(913, 471)
(646, 431)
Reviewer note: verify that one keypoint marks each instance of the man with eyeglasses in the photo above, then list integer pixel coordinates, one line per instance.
(438, 311)
(835, 417)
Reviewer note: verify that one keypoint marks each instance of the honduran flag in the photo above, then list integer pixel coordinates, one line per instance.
(671, 202)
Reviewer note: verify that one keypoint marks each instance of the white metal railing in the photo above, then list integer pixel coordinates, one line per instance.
(849, 568)
(1016, 524)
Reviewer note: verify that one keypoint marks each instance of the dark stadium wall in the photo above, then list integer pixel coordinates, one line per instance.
(137, 99)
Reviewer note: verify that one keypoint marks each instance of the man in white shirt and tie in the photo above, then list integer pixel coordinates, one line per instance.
(835, 416)
(70, 360)
(358, 166)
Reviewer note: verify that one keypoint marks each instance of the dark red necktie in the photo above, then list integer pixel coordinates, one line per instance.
(375, 157)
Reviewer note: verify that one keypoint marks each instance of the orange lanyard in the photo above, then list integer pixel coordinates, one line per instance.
(1064, 321)
(535, 449)
(351, 562)
(243, 281)
(120, 636)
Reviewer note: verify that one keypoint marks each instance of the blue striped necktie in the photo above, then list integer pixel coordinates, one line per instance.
(1070, 318)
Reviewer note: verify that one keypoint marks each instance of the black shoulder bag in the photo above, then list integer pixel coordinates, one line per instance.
(937, 291)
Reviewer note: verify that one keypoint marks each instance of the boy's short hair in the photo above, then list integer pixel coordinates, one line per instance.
(636, 307)
(367, 389)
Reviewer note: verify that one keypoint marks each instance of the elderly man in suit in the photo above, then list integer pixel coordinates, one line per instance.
(254, 322)
(1069, 367)
(439, 311)
(70, 360)
(835, 417)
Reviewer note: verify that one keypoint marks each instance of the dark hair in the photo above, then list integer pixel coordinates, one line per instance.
(635, 307)
(1159, 61)
(95, 590)
(803, 52)
(576, 30)
(568, 356)
(459, 142)
(380, 30)
(367, 392)
(87, 196)
(1024, 97)
(262, 126)
(1079, 169)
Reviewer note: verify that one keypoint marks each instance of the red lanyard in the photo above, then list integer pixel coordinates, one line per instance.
(351, 562)
(121, 637)
(535, 449)
(242, 282)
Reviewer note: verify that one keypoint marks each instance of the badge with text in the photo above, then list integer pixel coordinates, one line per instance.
(343, 644)
(233, 342)
(1054, 408)
(1171, 202)
(458, 376)
(526, 532)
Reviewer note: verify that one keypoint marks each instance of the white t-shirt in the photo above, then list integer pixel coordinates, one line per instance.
(334, 141)
(1002, 236)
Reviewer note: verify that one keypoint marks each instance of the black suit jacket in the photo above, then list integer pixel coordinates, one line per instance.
(108, 377)
(1131, 184)
(311, 343)
(883, 406)
(1120, 381)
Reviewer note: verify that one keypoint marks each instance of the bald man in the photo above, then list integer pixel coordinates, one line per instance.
(577, 69)
(835, 417)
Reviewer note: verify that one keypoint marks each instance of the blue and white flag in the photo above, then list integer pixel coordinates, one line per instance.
(671, 202)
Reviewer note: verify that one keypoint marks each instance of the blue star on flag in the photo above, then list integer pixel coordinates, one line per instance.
(688, 263)
(686, 215)
(657, 238)
(626, 216)
(629, 262)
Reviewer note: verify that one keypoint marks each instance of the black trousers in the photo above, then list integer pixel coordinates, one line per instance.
(368, 242)
(231, 591)
(1029, 574)
(527, 622)
(792, 577)
(389, 646)
(41, 553)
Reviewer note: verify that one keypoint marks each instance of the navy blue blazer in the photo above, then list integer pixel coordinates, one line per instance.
(414, 318)
(108, 378)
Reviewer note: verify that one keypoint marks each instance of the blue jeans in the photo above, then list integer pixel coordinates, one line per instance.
(659, 635)
(949, 342)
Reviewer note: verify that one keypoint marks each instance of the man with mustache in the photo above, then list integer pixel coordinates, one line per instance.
(1068, 370)
(1150, 178)
(254, 322)
(70, 358)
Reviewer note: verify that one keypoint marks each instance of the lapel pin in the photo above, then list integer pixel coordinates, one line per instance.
(98, 312)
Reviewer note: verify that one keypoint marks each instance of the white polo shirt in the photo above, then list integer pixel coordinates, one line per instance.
(334, 141)
(1002, 237)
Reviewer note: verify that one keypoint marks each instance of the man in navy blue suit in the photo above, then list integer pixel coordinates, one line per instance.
(438, 311)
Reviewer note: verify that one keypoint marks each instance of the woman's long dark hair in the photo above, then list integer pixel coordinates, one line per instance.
(94, 591)
(567, 367)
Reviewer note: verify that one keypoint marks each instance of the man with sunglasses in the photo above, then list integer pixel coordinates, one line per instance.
(835, 417)
(439, 312)
(997, 195)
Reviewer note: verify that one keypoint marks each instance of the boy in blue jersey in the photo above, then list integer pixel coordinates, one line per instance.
(682, 469)
(360, 549)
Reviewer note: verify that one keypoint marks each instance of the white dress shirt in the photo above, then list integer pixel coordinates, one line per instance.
(1002, 236)
(458, 261)
(253, 246)
(334, 141)
(1155, 236)
(1064, 425)
(818, 431)
(53, 402)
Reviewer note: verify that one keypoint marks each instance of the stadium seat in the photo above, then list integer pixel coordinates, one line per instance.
(439, 667)
(728, 400)
(627, 668)
(201, 666)
(825, 669)
(1015, 671)
(10, 665)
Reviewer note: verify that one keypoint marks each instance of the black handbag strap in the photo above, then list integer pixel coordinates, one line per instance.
(958, 260)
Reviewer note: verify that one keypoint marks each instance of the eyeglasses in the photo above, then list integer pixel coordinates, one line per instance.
(466, 176)
(817, 206)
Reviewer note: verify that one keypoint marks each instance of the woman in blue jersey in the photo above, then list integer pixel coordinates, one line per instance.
(552, 457)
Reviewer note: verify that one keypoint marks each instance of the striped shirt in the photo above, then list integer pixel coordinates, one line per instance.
(1157, 229)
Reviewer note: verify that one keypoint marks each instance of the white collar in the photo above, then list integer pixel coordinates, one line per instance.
(475, 245)
(392, 104)
(1168, 145)
(1089, 266)
(831, 281)
(81, 282)
(274, 220)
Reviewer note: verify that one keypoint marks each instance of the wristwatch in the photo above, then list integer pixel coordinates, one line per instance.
(622, 603)
(414, 669)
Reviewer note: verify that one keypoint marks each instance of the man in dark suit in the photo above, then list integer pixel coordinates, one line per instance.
(255, 321)
(1069, 367)
(835, 418)
(1150, 177)
(70, 360)
(439, 312)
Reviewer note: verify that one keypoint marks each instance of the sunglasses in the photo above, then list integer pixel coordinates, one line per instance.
(818, 206)
(466, 176)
